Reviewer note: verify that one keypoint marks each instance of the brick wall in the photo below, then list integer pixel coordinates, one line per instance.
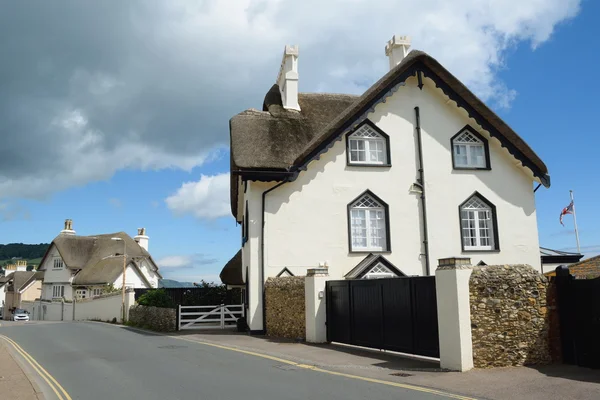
(285, 307)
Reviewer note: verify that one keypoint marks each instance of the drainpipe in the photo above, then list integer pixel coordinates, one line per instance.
(262, 255)
(421, 181)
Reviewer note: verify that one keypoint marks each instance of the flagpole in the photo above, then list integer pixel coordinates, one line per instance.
(575, 222)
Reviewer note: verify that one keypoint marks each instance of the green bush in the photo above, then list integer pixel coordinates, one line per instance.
(156, 298)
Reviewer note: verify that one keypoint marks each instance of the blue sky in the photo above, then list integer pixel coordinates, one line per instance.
(116, 135)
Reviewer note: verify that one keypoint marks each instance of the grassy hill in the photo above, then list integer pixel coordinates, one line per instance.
(33, 261)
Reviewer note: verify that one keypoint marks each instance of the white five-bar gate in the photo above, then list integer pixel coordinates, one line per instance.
(209, 317)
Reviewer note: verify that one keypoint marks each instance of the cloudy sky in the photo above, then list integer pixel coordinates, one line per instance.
(115, 114)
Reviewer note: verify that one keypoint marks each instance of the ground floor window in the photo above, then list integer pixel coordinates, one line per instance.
(96, 291)
(81, 293)
(58, 291)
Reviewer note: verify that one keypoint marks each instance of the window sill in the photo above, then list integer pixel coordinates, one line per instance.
(351, 164)
(481, 251)
(366, 251)
(472, 168)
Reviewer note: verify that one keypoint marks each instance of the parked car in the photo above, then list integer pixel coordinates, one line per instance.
(20, 315)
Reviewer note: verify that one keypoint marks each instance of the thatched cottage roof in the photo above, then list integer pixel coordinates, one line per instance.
(283, 141)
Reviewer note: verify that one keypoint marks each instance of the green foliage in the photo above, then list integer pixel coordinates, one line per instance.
(111, 289)
(156, 298)
(24, 251)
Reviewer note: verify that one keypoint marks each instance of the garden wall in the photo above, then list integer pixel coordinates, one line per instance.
(153, 318)
(509, 316)
(285, 307)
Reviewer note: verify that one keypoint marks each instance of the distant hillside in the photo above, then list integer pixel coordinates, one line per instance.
(170, 283)
(33, 253)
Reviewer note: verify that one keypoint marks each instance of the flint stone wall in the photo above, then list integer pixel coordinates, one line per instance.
(285, 307)
(509, 316)
(153, 318)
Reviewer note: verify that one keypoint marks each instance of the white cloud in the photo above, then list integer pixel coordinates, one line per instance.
(207, 198)
(185, 261)
(156, 90)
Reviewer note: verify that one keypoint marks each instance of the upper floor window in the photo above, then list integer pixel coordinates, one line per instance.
(478, 224)
(470, 150)
(369, 224)
(368, 145)
(58, 263)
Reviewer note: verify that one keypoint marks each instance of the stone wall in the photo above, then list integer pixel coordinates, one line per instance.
(153, 318)
(285, 307)
(509, 316)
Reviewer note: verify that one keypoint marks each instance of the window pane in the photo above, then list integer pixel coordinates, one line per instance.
(377, 229)
(376, 153)
(477, 156)
(460, 155)
(359, 228)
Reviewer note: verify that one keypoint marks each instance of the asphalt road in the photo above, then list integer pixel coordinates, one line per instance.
(99, 361)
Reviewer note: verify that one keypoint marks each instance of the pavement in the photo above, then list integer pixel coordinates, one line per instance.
(103, 361)
(16, 382)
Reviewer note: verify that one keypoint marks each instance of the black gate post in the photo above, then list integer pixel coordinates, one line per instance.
(565, 313)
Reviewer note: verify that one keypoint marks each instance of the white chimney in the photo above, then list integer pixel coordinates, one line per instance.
(287, 80)
(142, 239)
(21, 265)
(68, 228)
(396, 49)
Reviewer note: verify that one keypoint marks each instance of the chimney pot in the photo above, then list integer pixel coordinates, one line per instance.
(287, 80)
(142, 239)
(397, 49)
(68, 228)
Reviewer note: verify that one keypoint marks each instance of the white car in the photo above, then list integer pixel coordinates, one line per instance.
(20, 315)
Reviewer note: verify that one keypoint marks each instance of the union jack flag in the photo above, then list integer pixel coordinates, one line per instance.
(567, 210)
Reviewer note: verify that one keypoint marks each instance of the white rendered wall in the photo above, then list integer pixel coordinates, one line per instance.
(306, 220)
(63, 275)
(132, 279)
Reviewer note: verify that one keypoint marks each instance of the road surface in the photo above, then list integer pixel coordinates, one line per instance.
(101, 361)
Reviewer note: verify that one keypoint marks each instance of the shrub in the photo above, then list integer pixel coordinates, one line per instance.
(156, 298)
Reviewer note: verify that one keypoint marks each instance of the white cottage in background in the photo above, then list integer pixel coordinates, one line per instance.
(85, 266)
(378, 185)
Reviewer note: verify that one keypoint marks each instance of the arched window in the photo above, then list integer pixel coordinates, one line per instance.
(368, 222)
(368, 145)
(478, 224)
(470, 150)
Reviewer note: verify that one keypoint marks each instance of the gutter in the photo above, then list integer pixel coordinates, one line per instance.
(421, 181)
(262, 255)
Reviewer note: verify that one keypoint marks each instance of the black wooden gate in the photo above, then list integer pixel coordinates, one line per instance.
(579, 311)
(398, 314)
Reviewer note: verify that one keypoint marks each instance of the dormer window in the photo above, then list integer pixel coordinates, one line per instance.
(368, 146)
(470, 150)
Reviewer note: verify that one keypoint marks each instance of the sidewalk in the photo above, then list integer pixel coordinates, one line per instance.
(543, 383)
(14, 382)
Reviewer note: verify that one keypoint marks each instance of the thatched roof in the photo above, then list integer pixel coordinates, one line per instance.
(19, 280)
(276, 139)
(232, 271)
(96, 256)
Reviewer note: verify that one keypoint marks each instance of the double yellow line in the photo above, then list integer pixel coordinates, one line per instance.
(60, 392)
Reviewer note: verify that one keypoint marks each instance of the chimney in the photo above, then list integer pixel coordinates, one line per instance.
(396, 49)
(68, 228)
(287, 80)
(142, 239)
(21, 265)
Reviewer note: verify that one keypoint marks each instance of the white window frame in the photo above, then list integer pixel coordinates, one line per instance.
(471, 222)
(58, 263)
(81, 293)
(369, 212)
(379, 275)
(468, 145)
(96, 292)
(369, 138)
(58, 291)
